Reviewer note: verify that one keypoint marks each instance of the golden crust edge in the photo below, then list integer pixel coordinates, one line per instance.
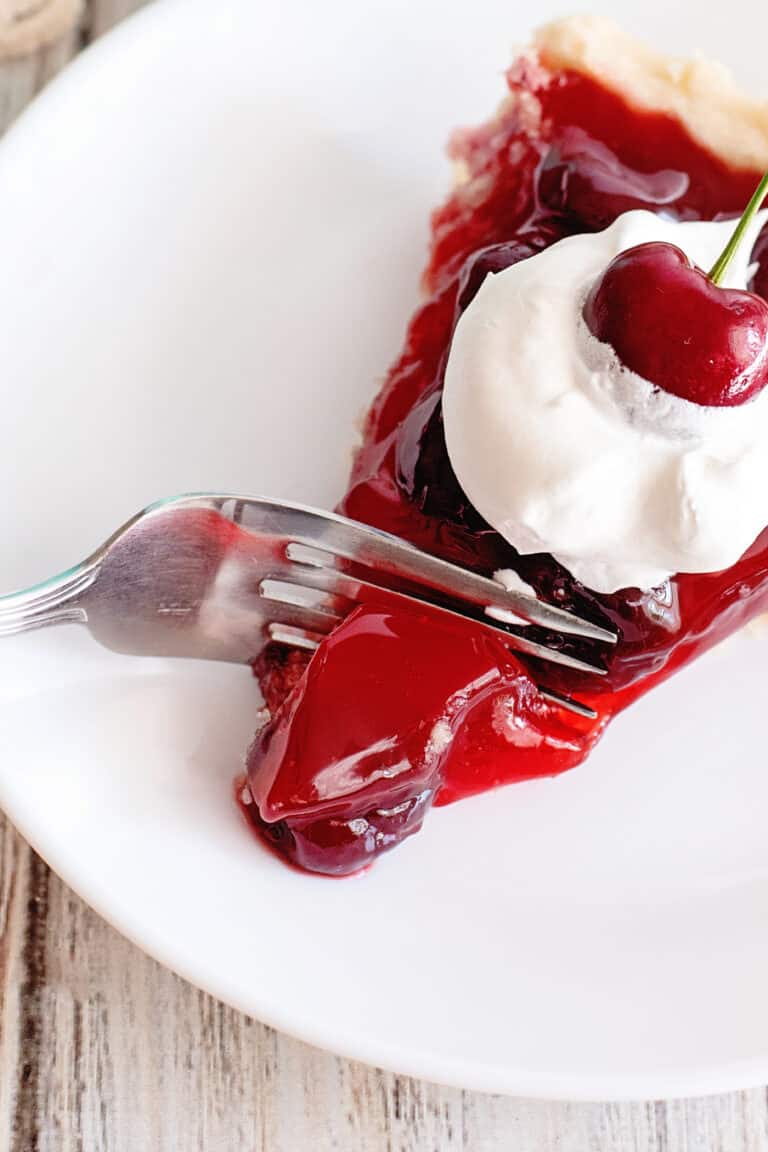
(702, 94)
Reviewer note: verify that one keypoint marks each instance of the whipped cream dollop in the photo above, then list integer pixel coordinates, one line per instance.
(564, 450)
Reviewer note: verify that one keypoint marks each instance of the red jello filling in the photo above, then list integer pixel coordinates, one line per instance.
(398, 711)
(370, 728)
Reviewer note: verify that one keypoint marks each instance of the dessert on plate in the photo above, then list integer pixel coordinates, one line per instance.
(580, 410)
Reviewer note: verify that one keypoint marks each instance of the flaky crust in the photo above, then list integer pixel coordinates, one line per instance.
(700, 93)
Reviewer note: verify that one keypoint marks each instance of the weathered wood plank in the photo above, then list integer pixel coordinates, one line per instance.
(104, 14)
(21, 78)
(14, 879)
(128, 1058)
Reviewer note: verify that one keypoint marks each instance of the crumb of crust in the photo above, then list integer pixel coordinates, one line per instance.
(701, 93)
(278, 670)
(440, 739)
(262, 719)
(525, 106)
(510, 723)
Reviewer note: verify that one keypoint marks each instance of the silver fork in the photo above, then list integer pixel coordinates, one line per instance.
(217, 577)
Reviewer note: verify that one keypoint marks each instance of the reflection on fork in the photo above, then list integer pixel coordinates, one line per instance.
(216, 577)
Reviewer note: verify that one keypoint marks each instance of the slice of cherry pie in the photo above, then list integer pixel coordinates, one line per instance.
(476, 450)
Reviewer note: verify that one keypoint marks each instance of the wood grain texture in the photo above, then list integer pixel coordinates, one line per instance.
(102, 1050)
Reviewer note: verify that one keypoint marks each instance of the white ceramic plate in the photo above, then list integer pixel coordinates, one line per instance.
(211, 229)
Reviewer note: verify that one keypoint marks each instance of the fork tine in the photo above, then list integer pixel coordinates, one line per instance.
(294, 637)
(313, 620)
(391, 559)
(568, 703)
(542, 652)
(342, 587)
(428, 578)
(304, 593)
(299, 638)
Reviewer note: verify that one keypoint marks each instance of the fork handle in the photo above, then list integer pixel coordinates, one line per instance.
(56, 601)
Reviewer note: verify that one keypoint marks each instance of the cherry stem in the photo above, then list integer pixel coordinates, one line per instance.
(720, 266)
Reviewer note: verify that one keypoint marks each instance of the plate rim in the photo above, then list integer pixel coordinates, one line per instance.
(512, 1080)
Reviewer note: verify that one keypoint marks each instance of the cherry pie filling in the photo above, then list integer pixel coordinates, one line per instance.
(399, 710)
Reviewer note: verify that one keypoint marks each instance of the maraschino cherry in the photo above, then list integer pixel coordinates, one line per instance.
(674, 324)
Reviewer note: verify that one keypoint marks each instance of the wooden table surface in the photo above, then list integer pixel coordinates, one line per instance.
(102, 1050)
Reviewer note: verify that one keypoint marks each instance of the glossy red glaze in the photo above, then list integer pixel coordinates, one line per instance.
(372, 725)
(668, 322)
(587, 157)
